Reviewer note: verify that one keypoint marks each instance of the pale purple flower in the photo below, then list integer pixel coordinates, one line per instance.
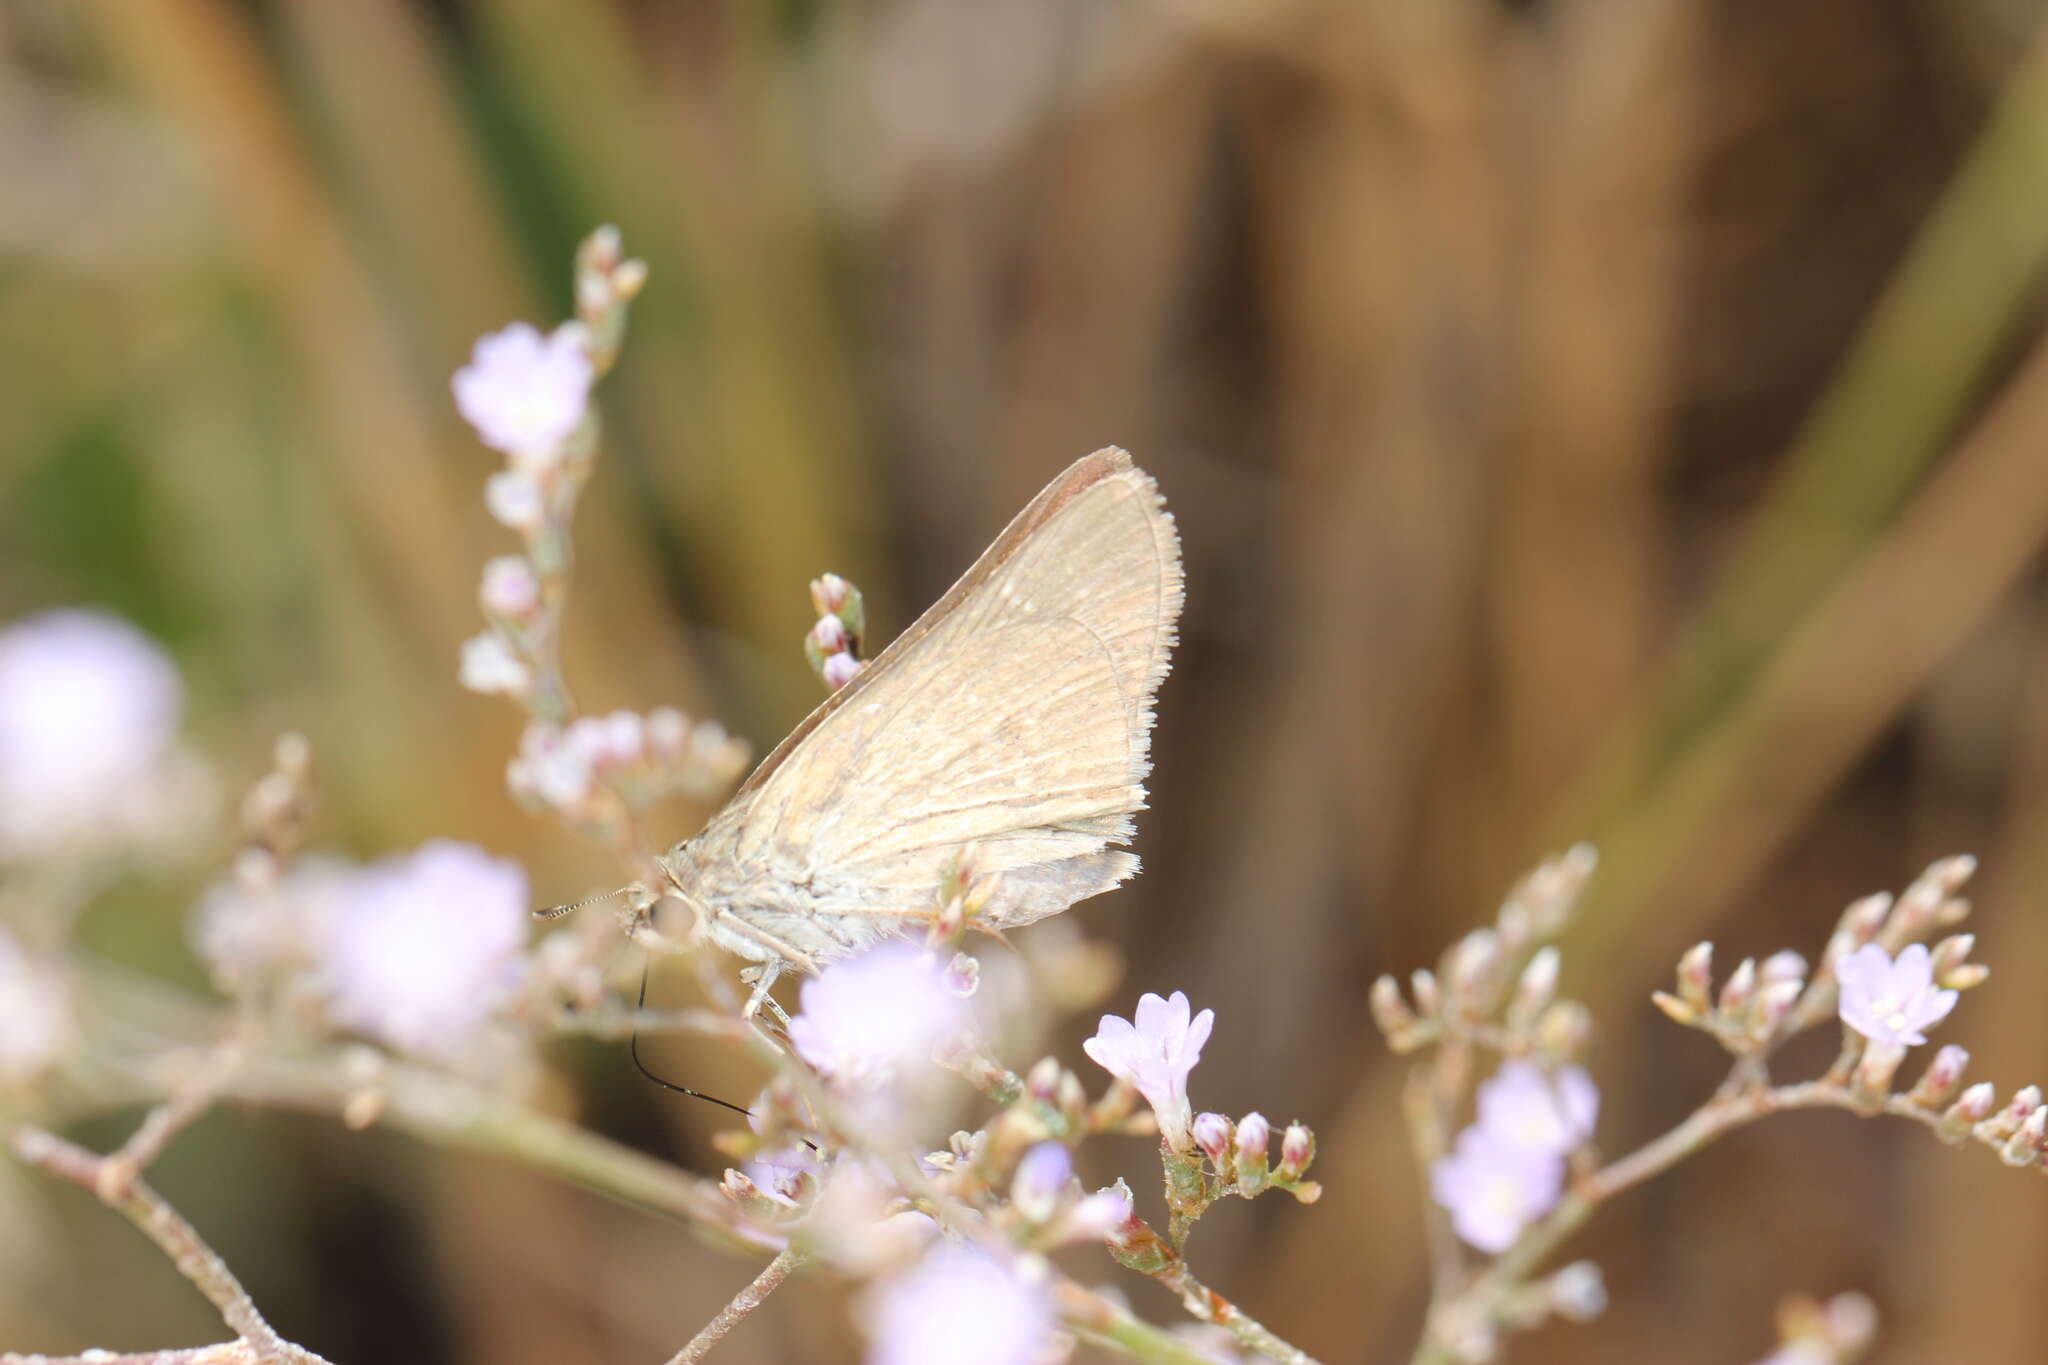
(1156, 1053)
(427, 948)
(865, 1019)
(513, 497)
(525, 393)
(35, 1013)
(510, 588)
(89, 710)
(247, 935)
(957, 1307)
(1890, 1001)
(1494, 1189)
(1041, 1181)
(1526, 1106)
(489, 665)
(552, 768)
(1097, 1216)
(782, 1172)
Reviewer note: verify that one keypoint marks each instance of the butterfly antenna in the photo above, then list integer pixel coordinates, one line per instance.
(557, 911)
(634, 1048)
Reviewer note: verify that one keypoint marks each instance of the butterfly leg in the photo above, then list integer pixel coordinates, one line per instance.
(763, 976)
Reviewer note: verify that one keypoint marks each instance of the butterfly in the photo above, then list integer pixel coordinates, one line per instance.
(1012, 719)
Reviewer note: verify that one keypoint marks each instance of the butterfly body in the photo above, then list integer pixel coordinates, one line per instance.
(1012, 718)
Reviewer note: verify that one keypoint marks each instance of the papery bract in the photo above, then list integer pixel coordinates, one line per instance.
(957, 1307)
(1155, 1053)
(1891, 1001)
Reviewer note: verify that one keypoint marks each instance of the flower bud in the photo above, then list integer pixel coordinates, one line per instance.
(1390, 1011)
(1042, 1082)
(1071, 1099)
(1783, 965)
(1865, 917)
(1696, 977)
(840, 669)
(1677, 1009)
(1773, 1002)
(1951, 953)
(1538, 986)
(2023, 1148)
(963, 975)
(1578, 1293)
(1942, 1079)
(1973, 1108)
(1297, 1150)
(829, 635)
(829, 593)
(1563, 1031)
(1739, 989)
(1254, 1138)
(1041, 1182)
(1966, 977)
(1473, 966)
(1429, 1000)
(1099, 1216)
(1212, 1135)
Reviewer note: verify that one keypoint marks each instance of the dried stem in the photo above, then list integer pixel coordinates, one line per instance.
(175, 1237)
(746, 1301)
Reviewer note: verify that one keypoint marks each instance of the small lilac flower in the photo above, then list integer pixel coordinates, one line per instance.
(1041, 1181)
(782, 1172)
(957, 1307)
(428, 946)
(514, 499)
(1156, 1053)
(489, 665)
(551, 768)
(510, 588)
(1098, 1216)
(35, 1013)
(1891, 1001)
(863, 1020)
(89, 710)
(526, 393)
(246, 936)
(1526, 1106)
(1494, 1189)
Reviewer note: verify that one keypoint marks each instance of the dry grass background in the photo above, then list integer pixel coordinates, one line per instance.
(1625, 421)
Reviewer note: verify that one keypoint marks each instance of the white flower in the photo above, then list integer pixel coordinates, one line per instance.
(524, 393)
(1528, 1107)
(514, 498)
(554, 767)
(1495, 1189)
(957, 1307)
(510, 586)
(1156, 1053)
(427, 947)
(35, 1013)
(864, 1020)
(89, 710)
(245, 935)
(1891, 1001)
(489, 665)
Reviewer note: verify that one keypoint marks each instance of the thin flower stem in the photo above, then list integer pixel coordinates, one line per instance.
(1210, 1306)
(188, 1101)
(746, 1301)
(1114, 1327)
(175, 1237)
(221, 1353)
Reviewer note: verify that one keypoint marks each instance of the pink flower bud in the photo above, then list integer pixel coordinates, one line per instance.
(829, 593)
(829, 635)
(1042, 1082)
(511, 588)
(1212, 1135)
(1254, 1137)
(1297, 1150)
(840, 669)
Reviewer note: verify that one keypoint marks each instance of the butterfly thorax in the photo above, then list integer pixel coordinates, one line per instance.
(772, 909)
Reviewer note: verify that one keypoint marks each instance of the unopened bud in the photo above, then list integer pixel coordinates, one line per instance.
(1865, 917)
(1254, 1138)
(1474, 963)
(1041, 1182)
(840, 669)
(1678, 1010)
(1783, 965)
(1951, 953)
(1696, 977)
(629, 279)
(1071, 1099)
(963, 975)
(1429, 999)
(1973, 1108)
(1740, 987)
(2007, 1121)
(2023, 1148)
(1297, 1150)
(829, 593)
(1212, 1135)
(1966, 977)
(1538, 986)
(602, 247)
(1578, 1293)
(1563, 1031)
(1773, 1002)
(1942, 1079)
(1042, 1082)
(1390, 1011)
(829, 635)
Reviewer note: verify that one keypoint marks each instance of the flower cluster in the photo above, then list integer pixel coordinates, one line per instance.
(833, 644)
(1508, 1168)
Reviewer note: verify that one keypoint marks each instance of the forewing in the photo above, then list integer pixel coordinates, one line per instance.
(1014, 715)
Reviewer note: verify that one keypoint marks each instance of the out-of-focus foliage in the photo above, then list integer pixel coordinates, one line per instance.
(1495, 358)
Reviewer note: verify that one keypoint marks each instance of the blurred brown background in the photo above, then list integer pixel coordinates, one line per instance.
(1618, 419)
